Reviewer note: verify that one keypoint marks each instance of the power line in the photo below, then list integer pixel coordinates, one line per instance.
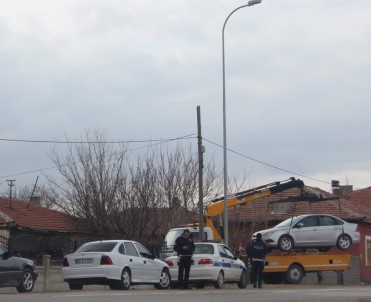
(189, 136)
(83, 142)
(267, 164)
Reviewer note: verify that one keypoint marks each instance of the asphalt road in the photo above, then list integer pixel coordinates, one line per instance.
(281, 293)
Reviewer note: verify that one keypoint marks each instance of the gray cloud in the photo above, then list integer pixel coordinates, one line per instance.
(298, 75)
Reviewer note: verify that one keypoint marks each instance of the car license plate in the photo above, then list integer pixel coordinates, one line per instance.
(84, 261)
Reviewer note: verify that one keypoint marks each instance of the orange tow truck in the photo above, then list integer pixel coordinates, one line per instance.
(288, 267)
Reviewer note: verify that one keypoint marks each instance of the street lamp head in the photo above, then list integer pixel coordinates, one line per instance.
(253, 2)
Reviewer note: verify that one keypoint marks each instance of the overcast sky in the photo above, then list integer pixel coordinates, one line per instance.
(298, 81)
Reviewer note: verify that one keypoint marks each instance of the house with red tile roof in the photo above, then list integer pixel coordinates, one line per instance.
(267, 212)
(32, 230)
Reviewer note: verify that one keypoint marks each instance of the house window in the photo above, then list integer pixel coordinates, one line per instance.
(368, 250)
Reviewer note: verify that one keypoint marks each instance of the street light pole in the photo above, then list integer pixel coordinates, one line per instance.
(225, 213)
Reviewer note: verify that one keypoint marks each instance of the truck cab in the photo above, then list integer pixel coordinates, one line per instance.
(168, 246)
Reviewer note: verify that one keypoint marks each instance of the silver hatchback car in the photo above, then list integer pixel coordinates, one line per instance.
(311, 231)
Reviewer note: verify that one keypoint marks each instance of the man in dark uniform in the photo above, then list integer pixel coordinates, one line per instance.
(257, 251)
(184, 247)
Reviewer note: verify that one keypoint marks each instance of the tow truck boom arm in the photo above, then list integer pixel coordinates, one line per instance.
(216, 207)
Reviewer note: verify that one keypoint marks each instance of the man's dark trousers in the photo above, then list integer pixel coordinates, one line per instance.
(183, 270)
(257, 272)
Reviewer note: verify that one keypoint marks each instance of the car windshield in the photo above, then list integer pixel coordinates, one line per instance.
(288, 222)
(172, 236)
(97, 247)
(204, 249)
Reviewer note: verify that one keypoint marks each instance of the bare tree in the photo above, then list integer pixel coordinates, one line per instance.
(92, 175)
(117, 196)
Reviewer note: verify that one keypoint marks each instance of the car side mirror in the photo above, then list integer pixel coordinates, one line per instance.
(300, 225)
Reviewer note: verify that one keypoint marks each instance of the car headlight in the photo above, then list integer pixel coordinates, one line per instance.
(270, 233)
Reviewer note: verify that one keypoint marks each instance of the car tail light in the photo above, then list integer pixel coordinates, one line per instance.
(105, 260)
(357, 229)
(169, 263)
(205, 261)
(65, 262)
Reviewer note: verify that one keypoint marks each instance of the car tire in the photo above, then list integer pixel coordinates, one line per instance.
(294, 274)
(243, 280)
(286, 243)
(273, 278)
(125, 281)
(75, 285)
(165, 280)
(219, 283)
(28, 281)
(344, 242)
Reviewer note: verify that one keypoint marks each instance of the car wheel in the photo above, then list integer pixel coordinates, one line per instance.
(125, 280)
(243, 280)
(294, 274)
(164, 280)
(286, 243)
(273, 278)
(28, 281)
(75, 285)
(344, 242)
(219, 283)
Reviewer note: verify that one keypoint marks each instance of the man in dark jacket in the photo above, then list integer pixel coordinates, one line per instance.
(256, 252)
(184, 247)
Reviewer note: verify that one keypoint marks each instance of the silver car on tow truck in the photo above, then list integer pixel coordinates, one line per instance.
(320, 231)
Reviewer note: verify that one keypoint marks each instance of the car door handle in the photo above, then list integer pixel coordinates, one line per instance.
(131, 260)
(145, 262)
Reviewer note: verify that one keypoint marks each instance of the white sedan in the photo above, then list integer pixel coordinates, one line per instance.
(311, 231)
(212, 263)
(117, 263)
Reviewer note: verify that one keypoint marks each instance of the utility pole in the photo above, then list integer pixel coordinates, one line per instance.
(201, 150)
(11, 185)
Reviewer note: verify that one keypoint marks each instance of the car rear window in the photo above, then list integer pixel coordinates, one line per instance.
(204, 249)
(97, 247)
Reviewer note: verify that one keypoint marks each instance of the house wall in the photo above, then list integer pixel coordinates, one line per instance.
(365, 252)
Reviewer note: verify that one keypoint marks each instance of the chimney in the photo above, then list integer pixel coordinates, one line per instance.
(335, 185)
(339, 190)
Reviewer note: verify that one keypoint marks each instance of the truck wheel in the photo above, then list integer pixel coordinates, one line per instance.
(343, 242)
(294, 274)
(286, 243)
(243, 280)
(273, 278)
(219, 283)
